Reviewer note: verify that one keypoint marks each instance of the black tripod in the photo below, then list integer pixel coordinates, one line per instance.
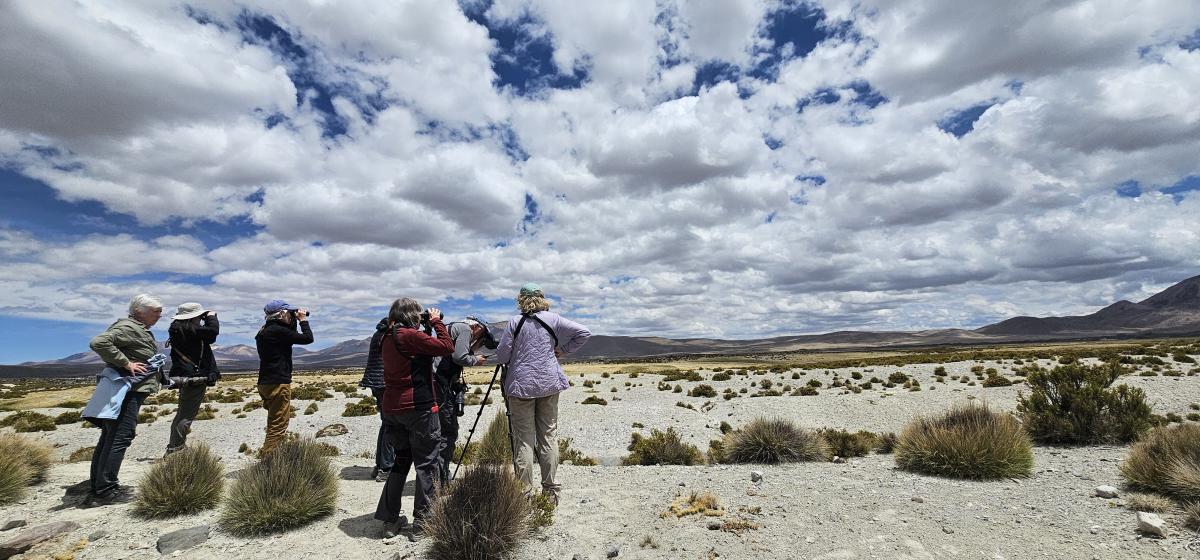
(474, 425)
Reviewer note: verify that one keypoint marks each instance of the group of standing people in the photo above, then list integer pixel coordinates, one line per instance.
(414, 370)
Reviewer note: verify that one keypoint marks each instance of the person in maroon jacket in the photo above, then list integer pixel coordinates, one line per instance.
(410, 411)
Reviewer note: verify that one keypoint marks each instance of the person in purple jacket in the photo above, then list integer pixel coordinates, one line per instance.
(530, 347)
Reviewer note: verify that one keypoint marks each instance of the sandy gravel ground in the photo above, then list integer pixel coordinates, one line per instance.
(864, 508)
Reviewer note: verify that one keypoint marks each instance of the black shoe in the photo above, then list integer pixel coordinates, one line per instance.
(112, 498)
(416, 532)
(381, 475)
(393, 528)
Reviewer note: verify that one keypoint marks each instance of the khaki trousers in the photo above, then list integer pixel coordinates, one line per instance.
(277, 400)
(535, 432)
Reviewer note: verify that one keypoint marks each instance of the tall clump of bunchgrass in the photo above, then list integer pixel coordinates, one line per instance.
(495, 447)
(289, 487)
(661, 448)
(1075, 404)
(774, 440)
(481, 515)
(187, 481)
(970, 442)
(1167, 461)
(23, 461)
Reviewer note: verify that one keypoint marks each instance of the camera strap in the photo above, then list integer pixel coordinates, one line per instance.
(534, 316)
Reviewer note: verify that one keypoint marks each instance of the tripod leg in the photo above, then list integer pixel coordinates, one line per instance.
(471, 433)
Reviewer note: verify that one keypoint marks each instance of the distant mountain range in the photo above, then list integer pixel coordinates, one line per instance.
(1172, 312)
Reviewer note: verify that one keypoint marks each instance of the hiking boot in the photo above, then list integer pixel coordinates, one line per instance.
(393, 528)
(416, 532)
(381, 475)
(551, 496)
(118, 496)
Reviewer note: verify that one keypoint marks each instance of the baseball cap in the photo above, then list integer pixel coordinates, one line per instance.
(277, 305)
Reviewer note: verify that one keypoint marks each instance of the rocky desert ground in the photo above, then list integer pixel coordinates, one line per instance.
(862, 507)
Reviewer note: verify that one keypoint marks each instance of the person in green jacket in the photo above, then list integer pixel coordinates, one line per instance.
(125, 346)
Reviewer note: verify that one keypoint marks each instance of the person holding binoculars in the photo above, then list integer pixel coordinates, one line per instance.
(469, 336)
(274, 341)
(410, 408)
(193, 368)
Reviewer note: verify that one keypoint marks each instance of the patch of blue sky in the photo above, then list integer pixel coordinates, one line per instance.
(34, 207)
(1177, 191)
(1191, 42)
(814, 179)
(35, 340)
(962, 122)
(771, 216)
(795, 29)
(524, 58)
(502, 132)
(621, 279)
(313, 86)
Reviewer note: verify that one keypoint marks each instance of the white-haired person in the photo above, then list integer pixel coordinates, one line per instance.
(128, 350)
(531, 345)
(192, 332)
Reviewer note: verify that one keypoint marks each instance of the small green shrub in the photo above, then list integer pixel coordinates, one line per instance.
(364, 407)
(29, 421)
(1167, 461)
(289, 488)
(207, 412)
(661, 448)
(574, 456)
(722, 376)
(704, 391)
(68, 418)
(997, 381)
(82, 454)
(689, 375)
(1074, 404)
(482, 514)
(311, 409)
(71, 404)
(772, 441)
(970, 442)
(187, 481)
(252, 405)
(886, 443)
(310, 393)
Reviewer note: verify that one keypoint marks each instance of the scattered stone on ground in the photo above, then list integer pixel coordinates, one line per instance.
(613, 551)
(755, 476)
(1106, 492)
(1151, 524)
(333, 430)
(183, 539)
(34, 535)
(13, 524)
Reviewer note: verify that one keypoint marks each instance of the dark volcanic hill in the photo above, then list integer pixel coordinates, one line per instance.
(1173, 311)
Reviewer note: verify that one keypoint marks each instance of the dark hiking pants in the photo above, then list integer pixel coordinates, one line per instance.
(449, 423)
(419, 435)
(385, 454)
(115, 437)
(190, 397)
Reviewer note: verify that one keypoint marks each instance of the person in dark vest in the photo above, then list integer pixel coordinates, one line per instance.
(410, 409)
(385, 454)
(274, 341)
(192, 332)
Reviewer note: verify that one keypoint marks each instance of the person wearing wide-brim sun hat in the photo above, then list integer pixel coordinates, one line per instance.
(192, 332)
(531, 345)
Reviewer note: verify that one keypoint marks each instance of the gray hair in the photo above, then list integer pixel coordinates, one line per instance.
(143, 302)
(405, 312)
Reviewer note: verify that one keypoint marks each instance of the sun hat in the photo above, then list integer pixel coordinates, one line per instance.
(488, 337)
(189, 310)
(532, 289)
(277, 305)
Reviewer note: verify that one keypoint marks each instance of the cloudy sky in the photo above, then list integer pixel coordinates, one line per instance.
(668, 167)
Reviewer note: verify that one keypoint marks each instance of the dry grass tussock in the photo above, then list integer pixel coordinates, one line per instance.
(1167, 461)
(288, 488)
(774, 440)
(1148, 502)
(696, 503)
(1191, 516)
(970, 442)
(483, 514)
(23, 462)
(187, 481)
(495, 447)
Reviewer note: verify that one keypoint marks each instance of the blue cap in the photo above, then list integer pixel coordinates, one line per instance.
(277, 305)
(531, 289)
